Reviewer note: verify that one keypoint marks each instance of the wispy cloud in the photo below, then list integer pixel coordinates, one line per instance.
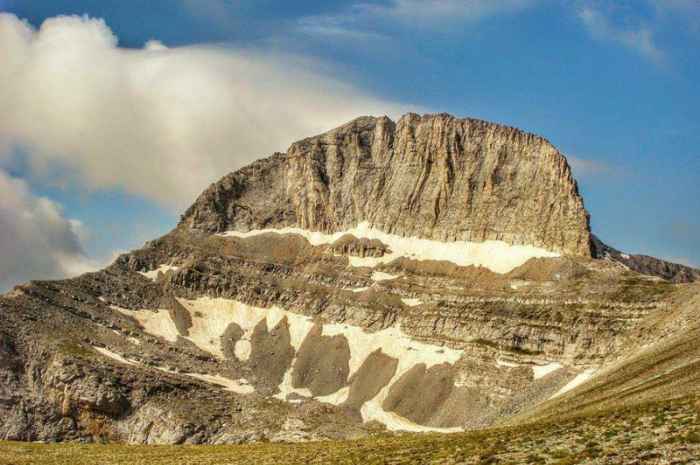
(364, 20)
(158, 122)
(336, 28)
(587, 167)
(639, 39)
(438, 11)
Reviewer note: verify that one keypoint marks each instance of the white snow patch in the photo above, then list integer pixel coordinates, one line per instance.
(372, 410)
(624, 255)
(396, 344)
(517, 284)
(211, 317)
(392, 342)
(155, 322)
(217, 314)
(337, 398)
(167, 370)
(239, 386)
(114, 356)
(153, 274)
(381, 276)
(498, 256)
(540, 371)
(242, 349)
(581, 378)
(411, 302)
(506, 363)
(286, 388)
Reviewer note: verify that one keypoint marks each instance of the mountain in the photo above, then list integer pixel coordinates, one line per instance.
(433, 274)
(434, 177)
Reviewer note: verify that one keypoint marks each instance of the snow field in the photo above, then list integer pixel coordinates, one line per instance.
(497, 256)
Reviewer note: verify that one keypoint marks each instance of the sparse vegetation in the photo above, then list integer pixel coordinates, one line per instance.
(579, 440)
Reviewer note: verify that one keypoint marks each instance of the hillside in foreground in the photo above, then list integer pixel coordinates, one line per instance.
(659, 432)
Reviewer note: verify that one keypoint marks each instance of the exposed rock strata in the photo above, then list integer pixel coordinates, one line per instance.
(148, 350)
(431, 176)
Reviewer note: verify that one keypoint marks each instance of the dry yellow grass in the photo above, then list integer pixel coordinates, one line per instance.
(666, 430)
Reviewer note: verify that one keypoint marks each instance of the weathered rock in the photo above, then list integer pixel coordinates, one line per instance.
(431, 176)
(116, 356)
(645, 264)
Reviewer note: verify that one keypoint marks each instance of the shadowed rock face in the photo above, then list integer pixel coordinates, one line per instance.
(431, 176)
(420, 393)
(229, 338)
(322, 363)
(271, 354)
(181, 317)
(374, 373)
(363, 247)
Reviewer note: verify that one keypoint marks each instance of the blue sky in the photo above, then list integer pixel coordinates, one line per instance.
(614, 85)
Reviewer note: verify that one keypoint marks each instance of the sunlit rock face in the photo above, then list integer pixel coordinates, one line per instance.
(434, 274)
(432, 177)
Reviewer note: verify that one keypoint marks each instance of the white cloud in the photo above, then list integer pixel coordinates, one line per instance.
(157, 122)
(359, 21)
(640, 38)
(447, 10)
(36, 240)
(586, 167)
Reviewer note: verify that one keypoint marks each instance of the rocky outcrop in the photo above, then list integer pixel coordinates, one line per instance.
(645, 264)
(432, 176)
(359, 247)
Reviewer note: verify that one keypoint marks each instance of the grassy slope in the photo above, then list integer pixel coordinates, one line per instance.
(667, 367)
(656, 432)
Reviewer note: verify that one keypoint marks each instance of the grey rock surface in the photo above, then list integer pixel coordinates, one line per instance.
(431, 176)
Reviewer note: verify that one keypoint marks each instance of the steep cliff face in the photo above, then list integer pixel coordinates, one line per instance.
(432, 176)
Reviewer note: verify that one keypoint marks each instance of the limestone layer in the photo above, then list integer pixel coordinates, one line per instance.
(431, 176)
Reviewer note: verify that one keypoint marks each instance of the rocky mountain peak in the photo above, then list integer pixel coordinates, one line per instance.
(429, 176)
(353, 285)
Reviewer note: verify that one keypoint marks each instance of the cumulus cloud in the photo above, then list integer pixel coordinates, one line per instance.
(640, 38)
(157, 122)
(36, 240)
